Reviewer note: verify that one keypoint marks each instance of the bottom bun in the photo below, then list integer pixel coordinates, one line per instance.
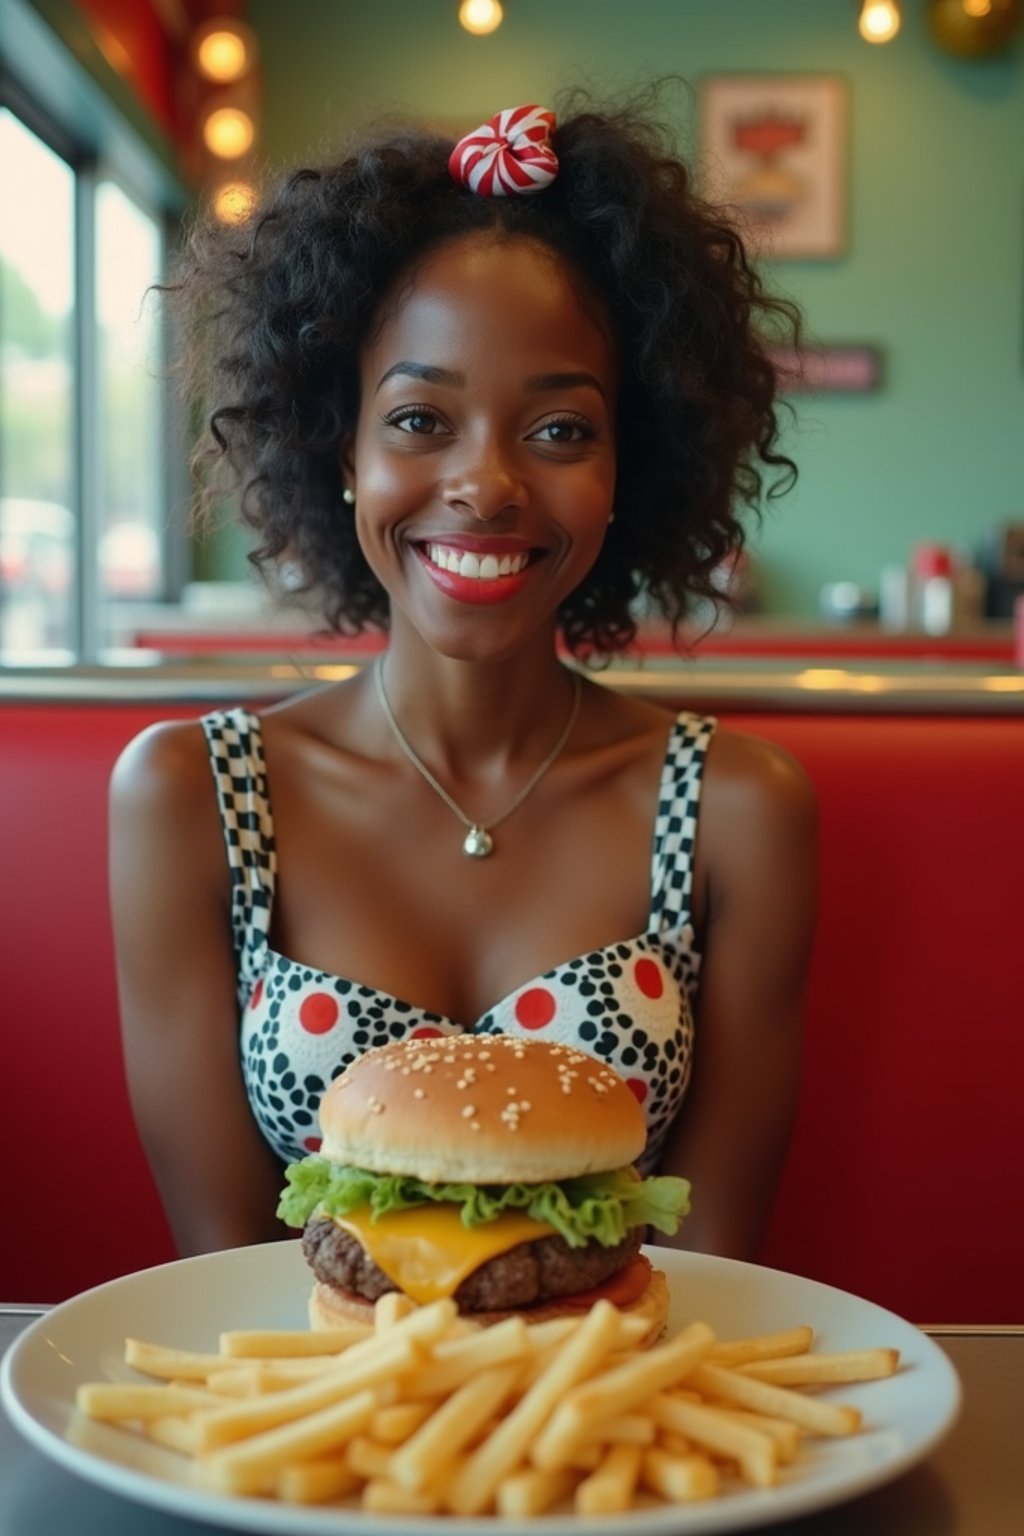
(332, 1307)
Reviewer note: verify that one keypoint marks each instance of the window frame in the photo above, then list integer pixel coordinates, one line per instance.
(49, 92)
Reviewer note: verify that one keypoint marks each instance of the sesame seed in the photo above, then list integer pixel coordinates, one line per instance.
(418, 1093)
(469, 1112)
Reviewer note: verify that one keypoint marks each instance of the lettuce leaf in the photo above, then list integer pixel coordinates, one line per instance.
(598, 1207)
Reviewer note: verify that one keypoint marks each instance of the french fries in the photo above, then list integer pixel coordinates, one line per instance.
(819, 1370)
(264, 1343)
(425, 1413)
(609, 1490)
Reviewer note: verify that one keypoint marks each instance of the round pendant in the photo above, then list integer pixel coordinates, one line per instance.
(477, 843)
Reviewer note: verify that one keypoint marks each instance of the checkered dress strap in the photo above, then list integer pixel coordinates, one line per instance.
(235, 741)
(675, 827)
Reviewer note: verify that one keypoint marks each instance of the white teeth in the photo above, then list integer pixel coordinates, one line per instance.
(475, 567)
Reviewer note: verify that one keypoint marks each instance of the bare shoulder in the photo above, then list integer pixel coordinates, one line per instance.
(163, 809)
(167, 764)
(758, 824)
(751, 778)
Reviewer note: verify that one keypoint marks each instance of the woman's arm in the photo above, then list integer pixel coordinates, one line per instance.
(757, 853)
(170, 895)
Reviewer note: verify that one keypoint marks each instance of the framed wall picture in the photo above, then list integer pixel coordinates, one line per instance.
(774, 147)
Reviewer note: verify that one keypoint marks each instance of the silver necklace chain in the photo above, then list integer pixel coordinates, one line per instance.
(478, 842)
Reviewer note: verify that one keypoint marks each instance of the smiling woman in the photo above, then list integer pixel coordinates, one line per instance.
(479, 463)
(485, 397)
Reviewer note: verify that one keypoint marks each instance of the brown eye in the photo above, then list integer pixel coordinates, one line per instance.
(415, 420)
(565, 431)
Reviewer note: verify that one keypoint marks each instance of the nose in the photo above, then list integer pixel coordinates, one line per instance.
(484, 482)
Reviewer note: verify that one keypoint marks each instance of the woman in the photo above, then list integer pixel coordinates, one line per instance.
(484, 398)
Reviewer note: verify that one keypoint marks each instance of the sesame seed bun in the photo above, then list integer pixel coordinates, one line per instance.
(331, 1307)
(481, 1109)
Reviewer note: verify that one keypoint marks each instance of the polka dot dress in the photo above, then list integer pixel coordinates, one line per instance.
(630, 1004)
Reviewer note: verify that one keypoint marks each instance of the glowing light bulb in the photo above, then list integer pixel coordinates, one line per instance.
(223, 50)
(228, 133)
(480, 16)
(879, 21)
(222, 57)
(234, 202)
(977, 8)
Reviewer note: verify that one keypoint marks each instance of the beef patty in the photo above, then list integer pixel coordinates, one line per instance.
(525, 1276)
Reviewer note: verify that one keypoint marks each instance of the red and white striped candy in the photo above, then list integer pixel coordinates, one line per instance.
(508, 156)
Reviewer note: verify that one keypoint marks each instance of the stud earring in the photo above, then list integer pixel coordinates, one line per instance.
(348, 496)
(611, 517)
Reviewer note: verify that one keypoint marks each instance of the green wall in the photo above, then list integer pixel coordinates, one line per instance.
(933, 275)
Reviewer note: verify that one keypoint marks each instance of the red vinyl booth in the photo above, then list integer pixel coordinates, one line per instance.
(904, 1174)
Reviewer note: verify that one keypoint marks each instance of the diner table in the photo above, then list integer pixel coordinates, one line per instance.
(971, 1485)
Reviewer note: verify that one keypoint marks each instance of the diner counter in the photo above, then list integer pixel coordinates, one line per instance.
(971, 1485)
(777, 685)
(238, 620)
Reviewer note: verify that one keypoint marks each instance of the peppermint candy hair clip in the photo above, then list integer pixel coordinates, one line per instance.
(508, 156)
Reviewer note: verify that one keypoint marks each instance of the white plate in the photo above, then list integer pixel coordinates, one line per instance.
(188, 1303)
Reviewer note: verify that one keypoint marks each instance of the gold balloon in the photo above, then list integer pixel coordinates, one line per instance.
(969, 29)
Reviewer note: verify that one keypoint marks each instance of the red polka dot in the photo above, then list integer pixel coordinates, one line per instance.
(257, 993)
(426, 1032)
(535, 1008)
(312, 1143)
(637, 1087)
(648, 977)
(318, 1013)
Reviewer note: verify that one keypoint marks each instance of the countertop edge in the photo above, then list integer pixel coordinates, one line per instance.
(806, 688)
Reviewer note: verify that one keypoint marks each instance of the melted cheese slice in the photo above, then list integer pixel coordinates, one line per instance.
(427, 1251)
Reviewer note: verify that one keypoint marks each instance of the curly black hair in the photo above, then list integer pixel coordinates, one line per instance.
(278, 308)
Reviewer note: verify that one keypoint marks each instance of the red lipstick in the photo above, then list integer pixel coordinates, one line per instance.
(475, 589)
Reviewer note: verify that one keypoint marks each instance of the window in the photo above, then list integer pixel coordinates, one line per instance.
(38, 547)
(84, 429)
(130, 463)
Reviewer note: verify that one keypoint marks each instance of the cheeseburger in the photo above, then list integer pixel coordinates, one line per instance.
(492, 1169)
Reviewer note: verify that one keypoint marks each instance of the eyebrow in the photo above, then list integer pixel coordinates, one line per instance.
(425, 373)
(540, 383)
(548, 381)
